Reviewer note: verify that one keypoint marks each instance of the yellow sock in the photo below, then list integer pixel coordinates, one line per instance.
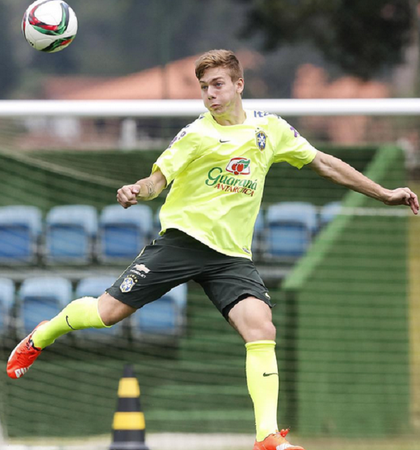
(77, 315)
(263, 385)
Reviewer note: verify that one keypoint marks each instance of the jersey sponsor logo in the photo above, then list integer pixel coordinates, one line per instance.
(239, 166)
(228, 183)
(128, 284)
(261, 139)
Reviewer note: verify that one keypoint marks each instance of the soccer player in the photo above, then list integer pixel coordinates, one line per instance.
(217, 166)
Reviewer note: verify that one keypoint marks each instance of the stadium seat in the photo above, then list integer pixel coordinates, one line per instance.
(41, 298)
(124, 232)
(20, 230)
(94, 286)
(70, 234)
(328, 212)
(7, 298)
(165, 316)
(290, 227)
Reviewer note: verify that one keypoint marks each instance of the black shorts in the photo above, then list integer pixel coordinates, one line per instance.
(176, 258)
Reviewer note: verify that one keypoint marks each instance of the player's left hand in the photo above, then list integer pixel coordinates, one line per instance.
(404, 196)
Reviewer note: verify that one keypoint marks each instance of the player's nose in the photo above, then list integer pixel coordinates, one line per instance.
(210, 93)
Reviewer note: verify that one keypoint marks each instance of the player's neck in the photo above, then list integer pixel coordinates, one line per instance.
(235, 117)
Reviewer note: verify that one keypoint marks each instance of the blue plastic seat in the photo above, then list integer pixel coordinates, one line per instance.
(95, 286)
(328, 212)
(124, 232)
(41, 298)
(7, 298)
(165, 316)
(290, 228)
(70, 234)
(20, 230)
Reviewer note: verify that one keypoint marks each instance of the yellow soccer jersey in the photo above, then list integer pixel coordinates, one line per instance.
(218, 175)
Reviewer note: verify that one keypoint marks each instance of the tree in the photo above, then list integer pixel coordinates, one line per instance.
(362, 37)
(7, 73)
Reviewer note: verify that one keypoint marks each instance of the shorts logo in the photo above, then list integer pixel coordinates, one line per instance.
(239, 166)
(142, 268)
(261, 138)
(127, 284)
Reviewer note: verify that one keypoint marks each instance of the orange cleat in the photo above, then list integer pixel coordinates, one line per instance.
(23, 356)
(276, 441)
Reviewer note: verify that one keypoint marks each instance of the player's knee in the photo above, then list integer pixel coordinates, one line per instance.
(261, 331)
(268, 330)
(112, 311)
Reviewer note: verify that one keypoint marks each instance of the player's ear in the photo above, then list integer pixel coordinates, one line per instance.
(240, 84)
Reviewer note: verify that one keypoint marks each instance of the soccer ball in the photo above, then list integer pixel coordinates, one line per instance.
(49, 25)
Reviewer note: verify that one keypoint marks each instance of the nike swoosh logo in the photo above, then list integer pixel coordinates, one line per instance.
(268, 374)
(67, 320)
(222, 141)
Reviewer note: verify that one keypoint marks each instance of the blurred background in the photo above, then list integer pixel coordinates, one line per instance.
(343, 269)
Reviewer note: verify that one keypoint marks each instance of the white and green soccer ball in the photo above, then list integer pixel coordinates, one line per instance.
(49, 25)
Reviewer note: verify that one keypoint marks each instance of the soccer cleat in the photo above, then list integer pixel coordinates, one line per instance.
(276, 441)
(23, 356)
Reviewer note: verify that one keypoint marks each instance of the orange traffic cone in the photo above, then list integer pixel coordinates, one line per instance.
(129, 425)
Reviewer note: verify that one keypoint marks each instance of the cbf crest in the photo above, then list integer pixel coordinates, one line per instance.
(261, 139)
(127, 284)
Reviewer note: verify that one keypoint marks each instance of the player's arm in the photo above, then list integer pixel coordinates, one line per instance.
(339, 172)
(143, 190)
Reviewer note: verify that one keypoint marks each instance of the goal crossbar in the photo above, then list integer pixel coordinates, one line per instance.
(192, 108)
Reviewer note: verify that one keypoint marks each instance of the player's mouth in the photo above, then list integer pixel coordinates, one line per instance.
(214, 106)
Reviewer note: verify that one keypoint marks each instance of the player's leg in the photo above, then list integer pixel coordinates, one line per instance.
(237, 290)
(252, 318)
(161, 266)
(86, 312)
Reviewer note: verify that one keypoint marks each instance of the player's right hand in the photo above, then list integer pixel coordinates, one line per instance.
(127, 195)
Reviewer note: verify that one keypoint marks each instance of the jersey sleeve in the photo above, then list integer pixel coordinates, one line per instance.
(181, 151)
(290, 146)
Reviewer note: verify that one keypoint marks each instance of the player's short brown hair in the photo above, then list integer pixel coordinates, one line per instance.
(219, 58)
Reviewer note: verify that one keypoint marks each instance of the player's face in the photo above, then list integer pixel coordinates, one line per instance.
(220, 94)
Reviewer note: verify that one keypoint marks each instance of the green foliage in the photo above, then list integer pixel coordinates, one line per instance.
(362, 37)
